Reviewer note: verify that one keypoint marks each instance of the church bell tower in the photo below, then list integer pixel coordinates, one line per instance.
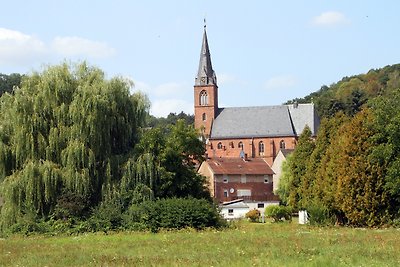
(205, 91)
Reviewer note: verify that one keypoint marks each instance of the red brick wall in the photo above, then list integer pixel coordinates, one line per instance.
(210, 110)
(260, 191)
(230, 147)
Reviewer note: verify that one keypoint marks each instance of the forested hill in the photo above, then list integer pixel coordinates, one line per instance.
(349, 94)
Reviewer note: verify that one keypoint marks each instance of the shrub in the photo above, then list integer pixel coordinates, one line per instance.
(107, 216)
(278, 213)
(320, 215)
(177, 213)
(253, 215)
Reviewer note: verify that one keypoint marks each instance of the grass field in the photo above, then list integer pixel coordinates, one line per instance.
(246, 245)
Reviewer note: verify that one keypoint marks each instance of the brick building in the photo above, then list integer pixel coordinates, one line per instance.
(250, 134)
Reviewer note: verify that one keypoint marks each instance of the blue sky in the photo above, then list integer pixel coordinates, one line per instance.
(263, 52)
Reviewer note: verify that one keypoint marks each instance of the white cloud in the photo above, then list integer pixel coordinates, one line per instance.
(330, 18)
(76, 46)
(168, 89)
(225, 78)
(17, 48)
(167, 97)
(161, 108)
(20, 49)
(281, 82)
(140, 86)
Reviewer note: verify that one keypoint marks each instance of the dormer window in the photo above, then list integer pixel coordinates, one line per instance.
(203, 98)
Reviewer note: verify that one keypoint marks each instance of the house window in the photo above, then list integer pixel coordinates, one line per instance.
(226, 179)
(203, 98)
(240, 145)
(243, 192)
(282, 144)
(226, 194)
(231, 144)
(204, 116)
(230, 211)
(243, 179)
(261, 148)
(266, 179)
(219, 146)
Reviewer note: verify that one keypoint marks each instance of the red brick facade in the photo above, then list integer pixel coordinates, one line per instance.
(247, 187)
(205, 112)
(251, 147)
(235, 178)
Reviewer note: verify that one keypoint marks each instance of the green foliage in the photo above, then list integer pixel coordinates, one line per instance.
(177, 213)
(9, 82)
(298, 166)
(165, 163)
(65, 129)
(171, 119)
(278, 213)
(253, 215)
(320, 215)
(71, 205)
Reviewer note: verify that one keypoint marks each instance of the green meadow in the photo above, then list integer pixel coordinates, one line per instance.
(244, 244)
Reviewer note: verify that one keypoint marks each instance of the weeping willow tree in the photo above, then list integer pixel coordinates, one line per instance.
(66, 129)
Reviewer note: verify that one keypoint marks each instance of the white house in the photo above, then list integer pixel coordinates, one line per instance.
(277, 166)
(237, 209)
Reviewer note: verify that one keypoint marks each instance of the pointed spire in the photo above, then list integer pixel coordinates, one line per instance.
(205, 74)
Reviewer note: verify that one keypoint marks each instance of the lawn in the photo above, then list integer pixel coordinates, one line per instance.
(244, 245)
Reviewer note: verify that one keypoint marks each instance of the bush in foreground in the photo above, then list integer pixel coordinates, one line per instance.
(253, 215)
(278, 213)
(178, 213)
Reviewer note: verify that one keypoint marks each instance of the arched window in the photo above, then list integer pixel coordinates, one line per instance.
(203, 98)
(204, 116)
(282, 144)
(261, 148)
(219, 146)
(240, 145)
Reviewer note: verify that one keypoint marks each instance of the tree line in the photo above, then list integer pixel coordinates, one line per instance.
(74, 147)
(350, 174)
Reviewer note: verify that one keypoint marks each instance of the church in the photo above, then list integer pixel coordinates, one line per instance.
(243, 142)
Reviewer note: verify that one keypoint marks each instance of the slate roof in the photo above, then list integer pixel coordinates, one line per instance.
(205, 74)
(302, 115)
(255, 166)
(265, 121)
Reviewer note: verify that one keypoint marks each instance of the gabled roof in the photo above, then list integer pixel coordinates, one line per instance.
(255, 166)
(302, 115)
(265, 121)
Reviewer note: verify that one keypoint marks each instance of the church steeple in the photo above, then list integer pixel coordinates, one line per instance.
(205, 91)
(205, 74)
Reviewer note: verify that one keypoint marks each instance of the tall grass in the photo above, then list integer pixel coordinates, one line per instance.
(281, 244)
